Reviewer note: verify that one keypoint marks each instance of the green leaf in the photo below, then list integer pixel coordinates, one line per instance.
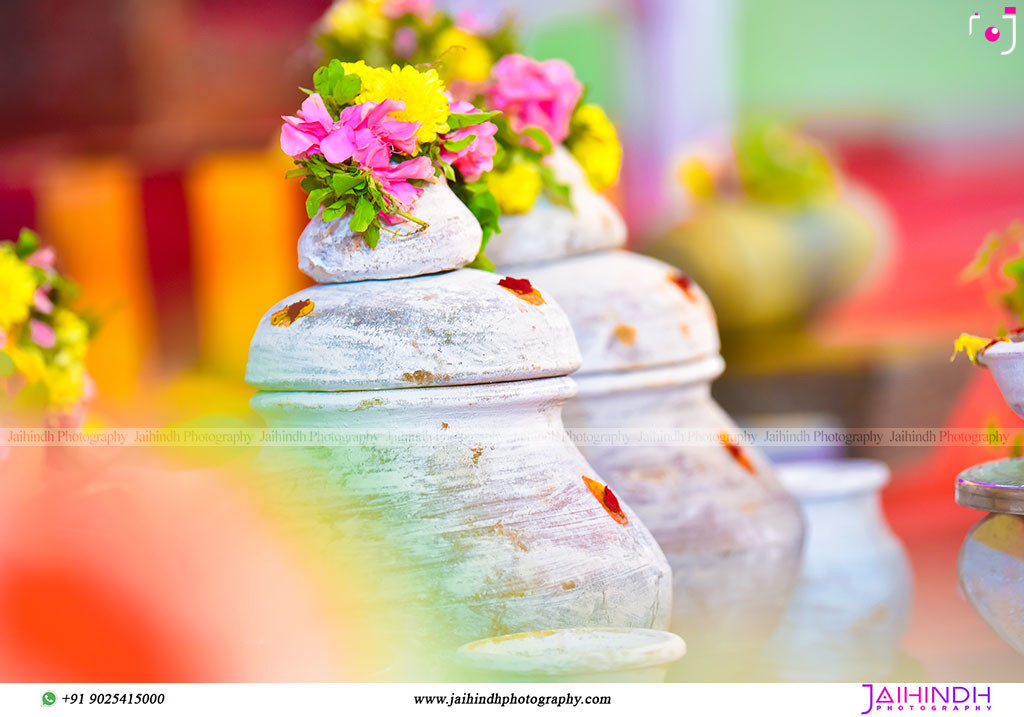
(7, 367)
(28, 242)
(556, 191)
(322, 82)
(458, 120)
(363, 214)
(481, 262)
(540, 138)
(346, 89)
(456, 146)
(342, 183)
(314, 199)
(297, 172)
(371, 235)
(331, 213)
(449, 173)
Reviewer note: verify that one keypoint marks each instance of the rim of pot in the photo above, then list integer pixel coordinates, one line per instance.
(703, 370)
(573, 651)
(557, 389)
(832, 479)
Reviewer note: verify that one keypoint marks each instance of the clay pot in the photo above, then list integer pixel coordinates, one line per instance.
(1006, 361)
(765, 265)
(852, 605)
(447, 463)
(991, 561)
(649, 343)
(584, 654)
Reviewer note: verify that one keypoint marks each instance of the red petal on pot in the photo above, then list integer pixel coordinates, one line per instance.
(288, 315)
(523, 289)
(685, 283)
(738, 454)
(607, 500)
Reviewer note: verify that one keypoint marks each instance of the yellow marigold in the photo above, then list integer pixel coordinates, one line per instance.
(516, 188)
(462, 56)
(422, 91)
(356, 20)
(17, 285)
(29, 361)
(596, 146)
(72, 333)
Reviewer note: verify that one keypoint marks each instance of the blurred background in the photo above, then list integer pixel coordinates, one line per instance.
(139, 137)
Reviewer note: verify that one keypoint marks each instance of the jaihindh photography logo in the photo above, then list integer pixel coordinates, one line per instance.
(927, 698)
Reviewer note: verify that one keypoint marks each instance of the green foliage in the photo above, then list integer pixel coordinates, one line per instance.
(777, 164)
(478, 198)
(1000, 262)
(336, 87)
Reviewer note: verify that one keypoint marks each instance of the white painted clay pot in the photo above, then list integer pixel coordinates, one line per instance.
(549, 231)
(458, 484)
(730, 532)
(991, 564)
(1006, 361)
(583, 654)
(331, 252)
(472, 500)
(852, 605)
(649, 343)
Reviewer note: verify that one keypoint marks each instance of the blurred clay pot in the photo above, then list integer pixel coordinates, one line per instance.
(764, 265)
(583, 654)
(852, 605)
(991, 561)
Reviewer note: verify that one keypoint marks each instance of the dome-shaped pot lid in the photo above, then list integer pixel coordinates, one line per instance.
(630, 311)
(460, 327)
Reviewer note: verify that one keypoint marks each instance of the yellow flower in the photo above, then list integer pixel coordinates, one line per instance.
(462, 56)
(516, 188)
(695, 176)
(421, 91)
(596, 146)
(972, 345)
(72, 333)
(65, 385)
(17, 285)
(352, 21)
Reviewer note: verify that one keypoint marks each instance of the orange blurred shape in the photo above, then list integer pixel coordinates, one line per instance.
(89, 210)
(113, 568)
(246, 220)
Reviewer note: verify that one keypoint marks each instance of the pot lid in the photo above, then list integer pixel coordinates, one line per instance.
(460, 327)
(331, 252)
(630, 311)
(549, 231)
(995, 486)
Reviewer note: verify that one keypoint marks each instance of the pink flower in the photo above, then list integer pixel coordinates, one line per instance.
(42, 334)
(535, 94)
(374, 118)
(477, 157)
(43, 258)
(394, 178)
(301, 135)
(41, 300)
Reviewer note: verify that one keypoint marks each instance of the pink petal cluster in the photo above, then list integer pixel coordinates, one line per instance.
(535, 94)
(478, 156)
(366, 134)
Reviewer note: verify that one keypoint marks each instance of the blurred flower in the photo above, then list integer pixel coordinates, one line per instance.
(405, 43)
(595, 145)
(352, 20)
(535, 94)
(421, 91)
(517, 188)
(17, 287)
(462, 56)
(422, 9)
(476, 157)
(42, 334)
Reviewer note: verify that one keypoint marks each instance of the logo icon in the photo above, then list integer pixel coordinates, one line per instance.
(49, 698)
(992, 34)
